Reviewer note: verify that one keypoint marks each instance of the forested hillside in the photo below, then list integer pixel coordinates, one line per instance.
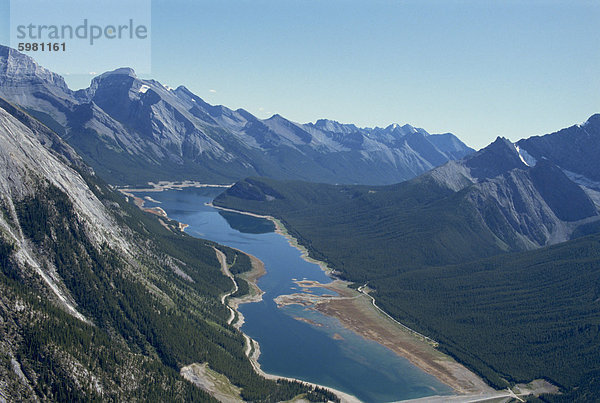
(397, 227)
(98, 300)
(513, 317)
(436, 266)
(132, 131)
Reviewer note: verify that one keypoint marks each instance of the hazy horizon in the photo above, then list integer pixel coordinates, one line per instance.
(476, 69)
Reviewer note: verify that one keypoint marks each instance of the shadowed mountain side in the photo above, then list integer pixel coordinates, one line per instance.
(575, 149)
(444, 254)
(99, 300)
(132, 131)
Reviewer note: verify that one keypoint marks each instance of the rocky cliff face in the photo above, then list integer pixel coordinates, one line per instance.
(132, 131)
(574, 149)
(24, 82)
(525, 203)
(90, 286)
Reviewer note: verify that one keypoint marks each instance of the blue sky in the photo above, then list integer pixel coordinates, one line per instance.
(479, 69)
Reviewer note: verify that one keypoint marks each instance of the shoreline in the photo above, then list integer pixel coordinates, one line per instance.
(168, 185)
(255, 293)
(158, 211)
(478, 391)
(464, 382)
(281, 230)
(356, 313)
(252, 350)
(252, 346)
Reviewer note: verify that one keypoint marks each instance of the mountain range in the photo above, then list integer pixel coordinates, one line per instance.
(495, 255)
(500, 248)
(509, 198)
(528, 202)
(100, 301)
(132, 131)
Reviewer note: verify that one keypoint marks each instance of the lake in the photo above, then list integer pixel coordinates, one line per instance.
(290, 347)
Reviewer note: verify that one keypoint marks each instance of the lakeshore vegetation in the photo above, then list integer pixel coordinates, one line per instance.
(149, 314)
(509, 316)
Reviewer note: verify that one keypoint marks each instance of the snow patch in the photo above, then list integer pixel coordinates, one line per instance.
(143, 89)
(525, 157)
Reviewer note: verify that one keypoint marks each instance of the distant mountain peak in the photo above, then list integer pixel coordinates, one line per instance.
(15, 65)
(9, 54)
(325, 122)
(497, 158)
(500, 142)
(321, 122)
(123, 78)
(450, 144)
(407, 128)
(121, 71)
(334, 126)
(128, 71)
(594, 120)
(574, 149)
(500, 146)
(398, 131)
(184, 90)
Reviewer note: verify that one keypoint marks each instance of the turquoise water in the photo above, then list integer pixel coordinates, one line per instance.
(288, 346)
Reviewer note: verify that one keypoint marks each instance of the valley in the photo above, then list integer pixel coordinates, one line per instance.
(303, 333)
(357, 312)
(68, 242)
(427, 240)
(155, 247)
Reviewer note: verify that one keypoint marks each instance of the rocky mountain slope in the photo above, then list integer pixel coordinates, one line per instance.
(491, 201)
(98, 300)
(132, 130)
(496, 255)
(574, 149)
(524, 204)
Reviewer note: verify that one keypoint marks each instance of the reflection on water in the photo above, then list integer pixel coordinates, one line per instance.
(315, 348)
(247, 224)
